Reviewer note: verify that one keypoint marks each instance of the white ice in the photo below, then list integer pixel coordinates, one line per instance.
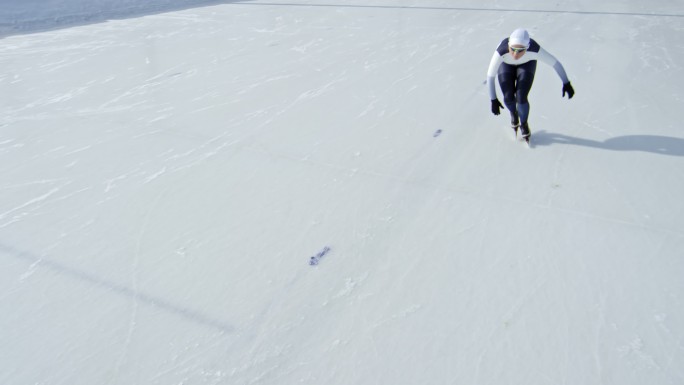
(167, 171)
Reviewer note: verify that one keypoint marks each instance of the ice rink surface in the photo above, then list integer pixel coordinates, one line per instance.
(167, 174)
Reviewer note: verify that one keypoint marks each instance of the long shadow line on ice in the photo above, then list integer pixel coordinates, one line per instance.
(409, 7)
(159, 303)
(664, 145)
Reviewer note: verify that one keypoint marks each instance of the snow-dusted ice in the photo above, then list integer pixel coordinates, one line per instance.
(168, 170)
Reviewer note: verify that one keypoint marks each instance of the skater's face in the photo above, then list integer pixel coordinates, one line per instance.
(517, 51)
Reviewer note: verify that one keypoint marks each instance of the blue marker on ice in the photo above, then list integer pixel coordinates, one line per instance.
(317, 258)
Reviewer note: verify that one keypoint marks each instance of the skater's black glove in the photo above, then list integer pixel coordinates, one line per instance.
(496, 107)
(567, 87)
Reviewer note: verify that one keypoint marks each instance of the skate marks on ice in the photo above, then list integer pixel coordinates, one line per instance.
(66, 271)
(664, 145)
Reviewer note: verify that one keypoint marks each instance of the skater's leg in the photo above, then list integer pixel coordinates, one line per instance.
(524, 80)
(523, 111)
(507, 79)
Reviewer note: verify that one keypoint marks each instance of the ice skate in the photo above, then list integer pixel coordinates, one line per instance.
(525, 132)
(515, 123)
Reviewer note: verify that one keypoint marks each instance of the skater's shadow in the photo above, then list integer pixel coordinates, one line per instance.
(664, 145)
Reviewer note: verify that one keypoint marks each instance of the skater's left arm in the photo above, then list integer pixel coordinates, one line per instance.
(551, 60)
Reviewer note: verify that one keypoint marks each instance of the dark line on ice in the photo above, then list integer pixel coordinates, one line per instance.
(467, 9)
(122, 290)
